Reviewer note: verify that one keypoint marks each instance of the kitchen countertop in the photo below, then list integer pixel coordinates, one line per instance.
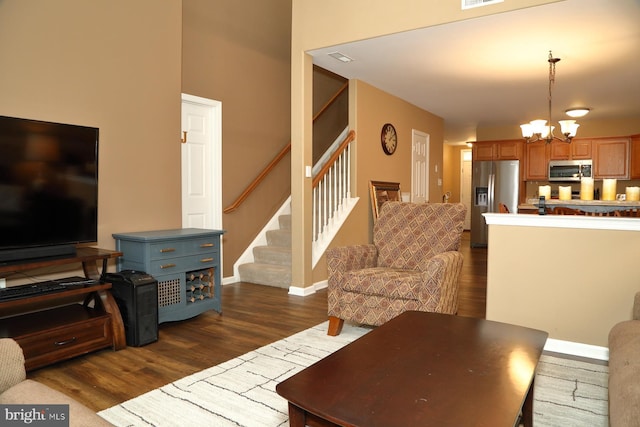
(564, 221)
(527, 206)
(585, 205)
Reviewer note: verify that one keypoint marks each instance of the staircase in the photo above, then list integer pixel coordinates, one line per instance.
(267, 261)
(272, 262)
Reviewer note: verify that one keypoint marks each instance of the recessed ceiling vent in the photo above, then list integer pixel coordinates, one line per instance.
(340, 57)
(468, 4)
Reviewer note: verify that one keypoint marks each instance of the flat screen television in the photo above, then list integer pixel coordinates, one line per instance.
(48, 188)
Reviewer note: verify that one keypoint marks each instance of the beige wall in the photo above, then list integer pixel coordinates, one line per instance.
(335, 118)
(115, 66)
(316, 24)
(239, 53)
(374, 108)
(573, 283)
(451, 167)
(121, 66)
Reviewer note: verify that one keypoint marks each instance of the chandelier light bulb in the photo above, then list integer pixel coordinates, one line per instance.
(537, 130)
(568, 127)
(540, 127)
(527, 130)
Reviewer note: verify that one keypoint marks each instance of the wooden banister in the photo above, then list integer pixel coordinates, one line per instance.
(347, 140)
(252, 186)
(331, 101)
(232, 207)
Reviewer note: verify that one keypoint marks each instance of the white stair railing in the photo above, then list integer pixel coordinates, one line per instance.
(332, 202)
(331, 197)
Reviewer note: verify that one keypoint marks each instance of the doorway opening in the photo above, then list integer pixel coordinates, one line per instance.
(465, 185)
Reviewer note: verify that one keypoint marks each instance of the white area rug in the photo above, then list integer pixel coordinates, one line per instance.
(570, 393)
(241, 392)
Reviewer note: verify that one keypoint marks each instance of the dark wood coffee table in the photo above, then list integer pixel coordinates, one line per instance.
(422, 369)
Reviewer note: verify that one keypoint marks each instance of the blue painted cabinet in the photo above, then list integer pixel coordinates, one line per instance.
(186, 264)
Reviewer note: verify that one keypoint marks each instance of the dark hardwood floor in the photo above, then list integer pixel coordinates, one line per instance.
(472, 301)
(253, 316)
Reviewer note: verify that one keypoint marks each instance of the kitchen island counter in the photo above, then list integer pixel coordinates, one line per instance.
(573, 276)
(597, 206)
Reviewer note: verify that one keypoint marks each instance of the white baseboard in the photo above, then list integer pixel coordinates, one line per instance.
(293, 290)
(303, 292)
(577, 349)
(320, 285)
(230, 280)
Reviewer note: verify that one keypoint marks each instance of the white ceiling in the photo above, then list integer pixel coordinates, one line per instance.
(493, 71)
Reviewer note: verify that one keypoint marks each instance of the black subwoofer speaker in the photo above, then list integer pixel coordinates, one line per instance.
(136, 294)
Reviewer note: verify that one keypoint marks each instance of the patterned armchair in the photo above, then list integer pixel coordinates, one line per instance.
(413, 264)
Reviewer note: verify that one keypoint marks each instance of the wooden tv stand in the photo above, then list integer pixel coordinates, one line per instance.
(56, 326)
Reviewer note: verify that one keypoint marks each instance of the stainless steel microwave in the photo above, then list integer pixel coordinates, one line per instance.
(569, 170)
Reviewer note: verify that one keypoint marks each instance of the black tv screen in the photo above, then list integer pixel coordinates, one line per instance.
(48, 188)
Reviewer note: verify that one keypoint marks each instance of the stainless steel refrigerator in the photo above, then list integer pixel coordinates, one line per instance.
(492, 183)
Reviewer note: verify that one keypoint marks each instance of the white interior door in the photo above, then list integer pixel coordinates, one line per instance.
(201, 163)
(465, 185)
(419, 167)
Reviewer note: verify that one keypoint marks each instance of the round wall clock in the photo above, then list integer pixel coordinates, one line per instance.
(389, 139)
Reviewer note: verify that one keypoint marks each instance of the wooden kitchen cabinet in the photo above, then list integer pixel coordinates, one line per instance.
(581, 149)
(498, 150)
(482, 151)
(537, 161)
(509, 150)
(559, 150)
(635, 157)
(578, 149)
(611, 158)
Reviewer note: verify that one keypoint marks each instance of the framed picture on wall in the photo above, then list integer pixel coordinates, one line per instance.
(381, 192)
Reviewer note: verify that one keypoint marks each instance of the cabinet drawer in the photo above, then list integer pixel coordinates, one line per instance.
(164, 250)
(183, 264)
(91, 331)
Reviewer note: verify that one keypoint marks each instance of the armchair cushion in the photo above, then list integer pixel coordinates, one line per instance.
(407, 235)
(388, 282)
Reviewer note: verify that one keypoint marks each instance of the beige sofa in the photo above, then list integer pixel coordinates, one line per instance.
(624, 371)
(15, 389)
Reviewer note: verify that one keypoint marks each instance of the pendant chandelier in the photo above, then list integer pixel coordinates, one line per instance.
(539, 130)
